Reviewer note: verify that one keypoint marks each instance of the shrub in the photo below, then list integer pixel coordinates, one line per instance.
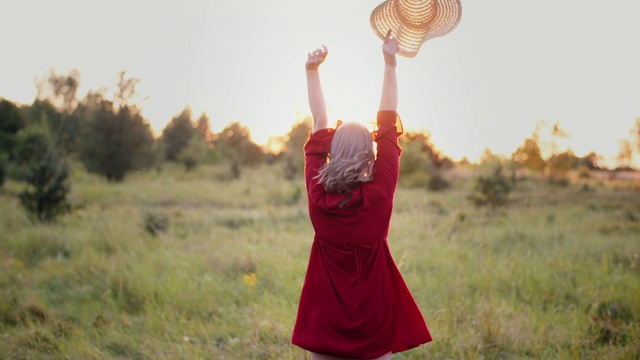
(292, 166)
(45, 174)
(584, 173)
(437, 182)
(414, 159)
(193, 153)
(127, 294)
(492, 191)
(155, 223)
(559, 165)
(417, 179)
(610, 323)
(235, 170)
(3, 162)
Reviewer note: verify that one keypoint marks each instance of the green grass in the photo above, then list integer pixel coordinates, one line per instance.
(555, 275)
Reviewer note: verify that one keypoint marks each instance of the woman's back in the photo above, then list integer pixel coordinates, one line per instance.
(354, 302)
(360, 215)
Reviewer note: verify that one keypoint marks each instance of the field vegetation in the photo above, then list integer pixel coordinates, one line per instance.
(173, 264)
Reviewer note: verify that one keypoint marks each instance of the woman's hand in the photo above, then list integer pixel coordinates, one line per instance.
(389, 49)
(389, 99)
(316, 57)
(314, 88)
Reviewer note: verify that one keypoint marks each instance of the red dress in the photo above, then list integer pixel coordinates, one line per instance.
(354, 302)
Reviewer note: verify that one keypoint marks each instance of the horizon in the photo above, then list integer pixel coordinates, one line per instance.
(485, 85)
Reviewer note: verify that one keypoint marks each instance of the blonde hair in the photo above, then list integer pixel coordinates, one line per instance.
(351, 158)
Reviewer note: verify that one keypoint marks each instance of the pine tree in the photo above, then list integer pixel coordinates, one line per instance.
(11, 121)
(45, 174)
(116, 142)
(177, 133)
(116, 139)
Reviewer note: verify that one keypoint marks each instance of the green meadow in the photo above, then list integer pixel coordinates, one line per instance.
(555, 274)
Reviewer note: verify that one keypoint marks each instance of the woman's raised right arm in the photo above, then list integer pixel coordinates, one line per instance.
(389, 124)
(389, 98)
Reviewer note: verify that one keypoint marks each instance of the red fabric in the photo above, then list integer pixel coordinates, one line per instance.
(354, 302)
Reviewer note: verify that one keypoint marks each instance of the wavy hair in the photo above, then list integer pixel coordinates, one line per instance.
(351, 158)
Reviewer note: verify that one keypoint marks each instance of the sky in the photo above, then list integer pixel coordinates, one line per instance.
(507, 66)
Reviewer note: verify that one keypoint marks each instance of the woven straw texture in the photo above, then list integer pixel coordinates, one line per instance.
(413, 22)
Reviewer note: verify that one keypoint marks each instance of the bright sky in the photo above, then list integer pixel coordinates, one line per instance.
(508, 65)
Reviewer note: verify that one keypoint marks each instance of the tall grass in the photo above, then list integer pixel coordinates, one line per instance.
(554, 275)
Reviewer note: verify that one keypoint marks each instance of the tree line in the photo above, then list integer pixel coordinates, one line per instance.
(106, 132)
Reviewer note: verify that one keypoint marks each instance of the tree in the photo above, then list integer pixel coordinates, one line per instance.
(194, 153)
(557, 133)
(490, 162)
(589, 161)
(126, 94)
(624, 160)
(293, 147)
(635, 132)
(116, 139)
(4, 159)
(437, 159)
(421, 163)
(529, 155)
(45, 174)
(59, 90)
(559, 165)
(42, 112)
(203, 127)
(235, 144)
(55, 104)
(414, 159)
(298, 136)
(64, 128)
(11, 121)
(177, 133)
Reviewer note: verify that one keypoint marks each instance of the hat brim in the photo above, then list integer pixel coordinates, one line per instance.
(411, 36)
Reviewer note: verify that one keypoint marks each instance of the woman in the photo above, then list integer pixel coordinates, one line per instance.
(354, 302)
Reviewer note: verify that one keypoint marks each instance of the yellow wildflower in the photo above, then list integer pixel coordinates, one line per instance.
(250, 279)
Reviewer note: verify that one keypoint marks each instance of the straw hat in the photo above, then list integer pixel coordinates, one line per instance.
(413, 22)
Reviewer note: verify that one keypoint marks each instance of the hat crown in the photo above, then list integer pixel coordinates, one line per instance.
(412, 22)
(417, 13)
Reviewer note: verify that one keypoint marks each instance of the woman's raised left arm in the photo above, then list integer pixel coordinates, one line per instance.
(314, 88)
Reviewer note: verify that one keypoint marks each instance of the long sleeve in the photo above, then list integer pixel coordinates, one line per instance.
(316, 151)
(387, 166)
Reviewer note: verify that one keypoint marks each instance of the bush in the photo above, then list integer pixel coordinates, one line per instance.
(3, 162)
(437, 182)
(292, 166)
(610, 323)
(11, 121)
(193, 153)
(414, 159)
(235, 170)
(492, 191)
(559, 166)
(45, 173)
(155, 224)
(417, 179)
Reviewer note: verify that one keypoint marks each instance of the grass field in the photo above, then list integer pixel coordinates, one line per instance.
(554, 275)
